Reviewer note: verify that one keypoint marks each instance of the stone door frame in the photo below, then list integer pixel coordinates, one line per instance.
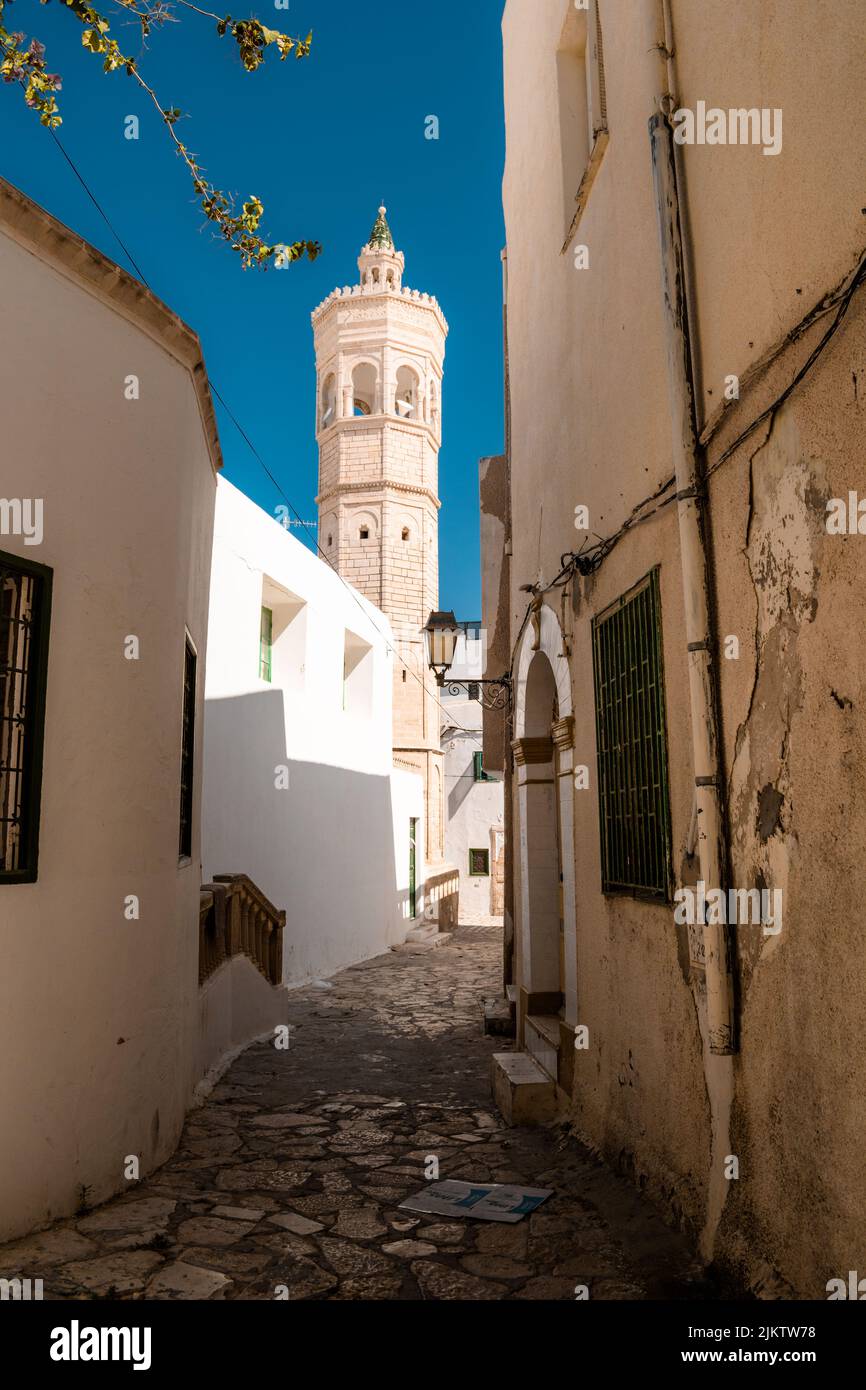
(536, 764)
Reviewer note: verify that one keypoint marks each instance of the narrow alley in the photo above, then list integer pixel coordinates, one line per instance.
(287, 1182)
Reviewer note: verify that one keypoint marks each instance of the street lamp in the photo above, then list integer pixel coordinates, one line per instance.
(441, 632)
(440, 640)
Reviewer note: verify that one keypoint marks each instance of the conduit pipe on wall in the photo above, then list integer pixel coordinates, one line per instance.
(691, 502)
(508, 963)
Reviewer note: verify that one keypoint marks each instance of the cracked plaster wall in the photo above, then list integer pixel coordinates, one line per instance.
(796, 757)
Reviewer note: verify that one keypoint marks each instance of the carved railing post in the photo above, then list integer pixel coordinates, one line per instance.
(212, 928)
(234, 922)
(220, 896)
(277, 950)
(205, 910)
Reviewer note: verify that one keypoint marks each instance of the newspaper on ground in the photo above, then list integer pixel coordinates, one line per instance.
(483, 1201)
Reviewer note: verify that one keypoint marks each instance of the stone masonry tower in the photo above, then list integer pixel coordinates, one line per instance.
(379, 354)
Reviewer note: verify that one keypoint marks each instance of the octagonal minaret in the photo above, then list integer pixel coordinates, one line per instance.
(379, 353)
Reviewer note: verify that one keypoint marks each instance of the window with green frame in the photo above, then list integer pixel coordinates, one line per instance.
(633, 796)
(479, 863)
(265, 644)
(478, 773)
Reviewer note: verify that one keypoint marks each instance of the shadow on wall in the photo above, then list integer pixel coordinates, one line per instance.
(460, 790)
(318, 840)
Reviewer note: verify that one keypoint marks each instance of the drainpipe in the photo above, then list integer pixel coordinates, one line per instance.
(691, 504)
(508, 721)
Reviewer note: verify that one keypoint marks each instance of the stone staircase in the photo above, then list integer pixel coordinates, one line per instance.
(525, 1083)
(425, 937)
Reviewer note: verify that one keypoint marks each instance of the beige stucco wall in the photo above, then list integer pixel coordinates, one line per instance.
(495, 597)
(796, 757)
(99, 1014)
(587, 393)
(589, 419)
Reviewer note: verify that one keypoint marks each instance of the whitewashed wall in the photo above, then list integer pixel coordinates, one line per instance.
(473, 810)
(99, 1014)
(326, 847)
(407, 800)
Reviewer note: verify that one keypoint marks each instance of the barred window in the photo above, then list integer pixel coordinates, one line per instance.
(25, 615)
(187, 748)
(634, 806)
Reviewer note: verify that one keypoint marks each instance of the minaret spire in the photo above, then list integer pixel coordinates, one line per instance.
(380, 236)
(380, 263)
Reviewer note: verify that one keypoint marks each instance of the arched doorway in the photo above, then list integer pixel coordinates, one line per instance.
(543, 867)
(546, 956)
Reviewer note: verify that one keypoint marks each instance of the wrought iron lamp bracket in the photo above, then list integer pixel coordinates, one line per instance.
(492, 694)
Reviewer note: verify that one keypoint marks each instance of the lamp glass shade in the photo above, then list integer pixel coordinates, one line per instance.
(440, 638)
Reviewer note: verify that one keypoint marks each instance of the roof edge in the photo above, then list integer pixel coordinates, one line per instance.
(39, 232)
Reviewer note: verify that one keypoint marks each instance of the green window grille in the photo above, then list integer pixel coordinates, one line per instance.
(634, 806)
(479, 863)
(265, 644)
(187, 748)
(25, 615)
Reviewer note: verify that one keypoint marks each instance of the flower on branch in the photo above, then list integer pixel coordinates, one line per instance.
(26, 66)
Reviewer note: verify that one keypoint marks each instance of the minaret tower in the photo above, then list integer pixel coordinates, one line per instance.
(379, 354)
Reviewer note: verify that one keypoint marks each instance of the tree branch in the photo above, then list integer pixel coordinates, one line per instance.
(26, 65)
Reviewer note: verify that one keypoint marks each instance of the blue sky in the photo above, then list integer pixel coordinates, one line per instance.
(322, 142)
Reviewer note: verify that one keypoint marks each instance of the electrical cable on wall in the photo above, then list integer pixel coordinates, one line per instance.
(589, 558)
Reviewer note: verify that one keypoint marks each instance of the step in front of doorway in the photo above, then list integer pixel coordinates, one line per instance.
(426, 937)
(524, 1094)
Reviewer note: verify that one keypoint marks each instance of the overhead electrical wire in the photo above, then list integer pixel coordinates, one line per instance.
(249, 443)
(590, 556)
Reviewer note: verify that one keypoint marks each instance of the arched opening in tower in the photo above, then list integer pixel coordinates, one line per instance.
(364, 386)
(407, 393)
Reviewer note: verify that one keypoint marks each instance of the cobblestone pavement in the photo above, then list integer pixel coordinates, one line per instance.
(291, 1174)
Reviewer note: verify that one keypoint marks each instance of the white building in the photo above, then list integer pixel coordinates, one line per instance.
(108, 468)
(299, 788)
(474, 813)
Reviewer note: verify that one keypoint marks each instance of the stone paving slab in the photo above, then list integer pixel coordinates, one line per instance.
(287, 1182)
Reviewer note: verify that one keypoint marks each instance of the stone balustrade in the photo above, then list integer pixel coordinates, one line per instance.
(235, 918)
(442, 892)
